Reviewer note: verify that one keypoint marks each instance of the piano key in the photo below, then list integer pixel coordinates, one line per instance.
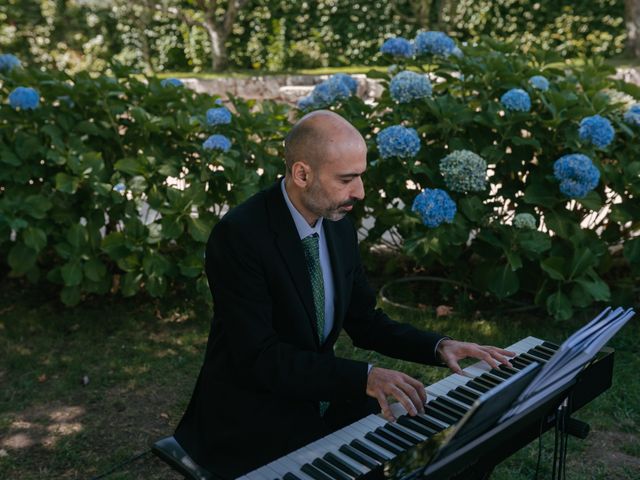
(358, 456)
(410, 437)
(530, 358)
(509, 370)
(290, 476)
(314, 473)
(461, 397)
(369, 450)
(431, 422)
(407, 422)
(547, 350)
(435, 412)
(337, 461)
(392, 439)
(380, 450)
(382, 442)
(550, 345)
(540, 354)
(499, 373)
(481, 382)
(439, 404)
(327, 468)
(289, 466)
(462, 410)
(490, 379)
(263, 473)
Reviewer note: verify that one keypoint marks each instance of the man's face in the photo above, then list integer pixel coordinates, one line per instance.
(337, 185)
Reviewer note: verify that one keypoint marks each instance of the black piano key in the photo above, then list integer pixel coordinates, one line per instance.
(488, 385)
(406, 422)
(438, 403)
(402, 434)
(342, 465)
(427, 423)
(499, 373)
(359, 445)
(290, 476)
(384, 443)
(519, 364)
(550, 345)
(326, 467)
(460, 397)
(546, 350)
(453, 406)
(540, 353)
(478, 386)
(359, 457)
(508, 370)
(468, 391)
(393, 439)
(435, 412)
(490, 379)
(314, 473)
(531, 358)
(524, 360)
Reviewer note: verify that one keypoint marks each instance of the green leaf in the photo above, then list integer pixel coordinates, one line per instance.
(534, 241)
(10, 158)
(596, 287)
(580, 297)
(130, 165)
(95, 270)
(559, 305)
(72, 273)
(115, 245)
(502, 281)
(21, 258)
(473, 208)
(172, 227)
(540, 194)
(26, 145)
(583, 258)
(130, 263)
(37, 206)
(70, 296)
(592, 201)
(514, 259)
(191, 266)
(632, 250)
(198, 229)
(156, 285)
(130, 283)
(555, 267)
(35, 238)
(66, 183)
(77, 235)
(155, 264)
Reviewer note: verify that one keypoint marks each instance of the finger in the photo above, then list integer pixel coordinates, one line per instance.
(501, 351)
(419, 387)
(384, 405)
(413, 395)
(404, 400)
(486, 356)
(501, 358)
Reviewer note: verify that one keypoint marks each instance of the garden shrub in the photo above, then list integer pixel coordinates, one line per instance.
(525, 182)
(110, 184)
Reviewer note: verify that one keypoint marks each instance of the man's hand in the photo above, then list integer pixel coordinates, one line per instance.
(383, 383)
(450, 351)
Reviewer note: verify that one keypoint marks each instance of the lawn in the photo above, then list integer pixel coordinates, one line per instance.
(86, 388)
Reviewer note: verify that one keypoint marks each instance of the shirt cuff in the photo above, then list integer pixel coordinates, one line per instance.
(435, 350)
(369, 369)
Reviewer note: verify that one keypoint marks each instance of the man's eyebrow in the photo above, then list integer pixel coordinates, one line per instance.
(350, 175)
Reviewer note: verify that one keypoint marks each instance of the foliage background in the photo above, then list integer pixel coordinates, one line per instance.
(275, 35)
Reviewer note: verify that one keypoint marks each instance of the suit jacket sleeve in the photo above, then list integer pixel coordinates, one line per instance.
(370, 328)
(243, 310)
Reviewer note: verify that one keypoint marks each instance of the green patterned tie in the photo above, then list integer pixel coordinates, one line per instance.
(311, 245)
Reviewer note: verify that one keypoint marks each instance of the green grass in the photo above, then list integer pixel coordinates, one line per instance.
(142, 358)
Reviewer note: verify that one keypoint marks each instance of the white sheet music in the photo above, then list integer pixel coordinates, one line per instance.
(578, 350)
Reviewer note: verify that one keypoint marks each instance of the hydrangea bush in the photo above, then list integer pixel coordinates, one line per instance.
(112, 184)
(525, 183)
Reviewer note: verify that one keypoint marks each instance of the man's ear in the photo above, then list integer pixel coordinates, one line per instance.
(300, 174)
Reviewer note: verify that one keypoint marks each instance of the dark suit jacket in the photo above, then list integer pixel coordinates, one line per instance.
(264, 370)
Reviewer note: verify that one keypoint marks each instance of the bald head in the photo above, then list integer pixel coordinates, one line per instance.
(319, 137)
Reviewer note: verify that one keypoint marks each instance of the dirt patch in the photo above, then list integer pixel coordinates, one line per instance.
(606, 448)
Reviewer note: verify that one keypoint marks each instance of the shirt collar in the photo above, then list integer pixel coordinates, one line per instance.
(304, 230)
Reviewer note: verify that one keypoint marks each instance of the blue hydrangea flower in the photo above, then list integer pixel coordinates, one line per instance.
(435, 206)
(524, 221)
(171, 81)
(434, 43)
(306, 103)
(348, 80)
(398, 47)
(218, 116)
(539, 83)
(464, 171)
(8, 62)
(119, 187)
(217, 142)
(597, 130)
(632, 116)
(407, 86)
(25, 98)
(456, 52)
(398, 141)
(516, 100)
(219, 101)
(577, 174)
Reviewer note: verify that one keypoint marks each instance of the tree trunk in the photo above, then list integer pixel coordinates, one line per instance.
(218, 38)
(632, 24)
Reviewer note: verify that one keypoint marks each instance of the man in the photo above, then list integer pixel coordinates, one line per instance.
(286, 277)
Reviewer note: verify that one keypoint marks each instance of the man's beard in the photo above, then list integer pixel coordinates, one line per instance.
(314, 201)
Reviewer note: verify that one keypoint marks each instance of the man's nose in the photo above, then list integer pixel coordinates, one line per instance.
(358, 191)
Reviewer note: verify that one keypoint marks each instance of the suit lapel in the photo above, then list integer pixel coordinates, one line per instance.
(290, 248)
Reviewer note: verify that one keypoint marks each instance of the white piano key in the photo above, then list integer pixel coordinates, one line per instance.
(287, 465)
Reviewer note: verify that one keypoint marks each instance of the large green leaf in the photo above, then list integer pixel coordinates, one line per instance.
(596, 287)
(559, 305)
(35, 238)
(66, 183)
(541, 194)
(502, 281)
(534, 241)
(21, 258)
(555, 267)
(632, 250)
(131, 165)
(583, 258)
(198, 229)
(70, 296)
(95, 270)
(37, 206)
(72, 273)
